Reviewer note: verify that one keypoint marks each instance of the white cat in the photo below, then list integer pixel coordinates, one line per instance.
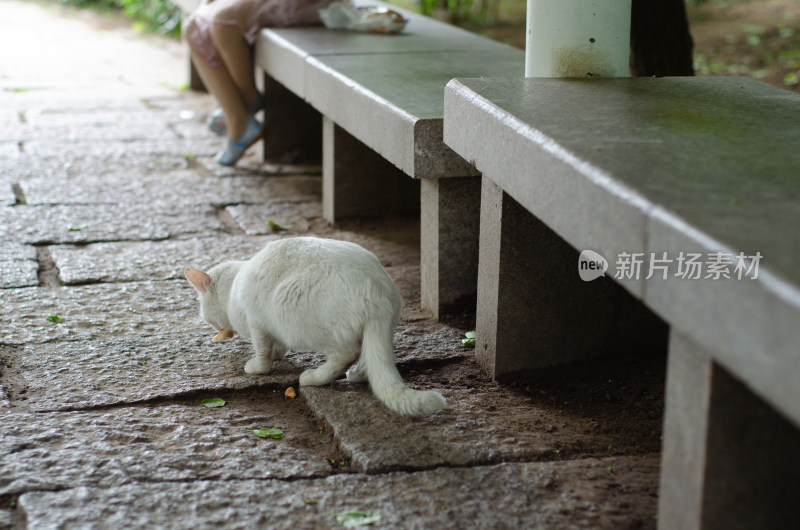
(328, 296)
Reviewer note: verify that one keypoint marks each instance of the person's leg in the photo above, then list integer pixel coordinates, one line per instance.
(220, 83)
(237, 55)
(224, 61)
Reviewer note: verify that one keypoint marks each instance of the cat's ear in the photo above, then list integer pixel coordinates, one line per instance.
(199, 279)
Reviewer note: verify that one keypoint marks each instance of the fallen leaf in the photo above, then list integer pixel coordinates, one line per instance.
(269, 433)
(277, 227)
(290, 392)
(213, 402)
(54, 318)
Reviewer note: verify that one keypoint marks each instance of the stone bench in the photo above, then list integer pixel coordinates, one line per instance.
(381, 98)
(662, 171)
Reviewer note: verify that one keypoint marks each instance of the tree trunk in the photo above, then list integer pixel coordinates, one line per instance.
(661, 44)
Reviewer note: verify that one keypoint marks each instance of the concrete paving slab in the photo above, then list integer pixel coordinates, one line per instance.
(102, 372)
(7, 196)
(18, 166)
(15, 251)
(89, 126)
(466, 433)
(188, 148)
(176, 188)
(9, 150)
(35, 101)
(18, 273)
(168, 443)
(118, 222)
(535, 495)
(100, 312)
(149, 260)
(413, 343)
(76, 374)
(255, 219)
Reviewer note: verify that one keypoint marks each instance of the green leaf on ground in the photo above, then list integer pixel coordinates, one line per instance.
(269, 433)
(355, 518)
(277, 227)
(213, 402)
(54, 318)
(469, 341)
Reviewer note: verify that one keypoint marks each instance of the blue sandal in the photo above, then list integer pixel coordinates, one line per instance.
(216, 120)
(253, 132)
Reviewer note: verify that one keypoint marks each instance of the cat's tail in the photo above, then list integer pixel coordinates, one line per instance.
(377, 357)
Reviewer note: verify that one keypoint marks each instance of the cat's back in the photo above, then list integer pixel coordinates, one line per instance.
(317, 258)
(316, 278)
(315, 250)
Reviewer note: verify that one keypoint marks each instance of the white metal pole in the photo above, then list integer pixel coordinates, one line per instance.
(578, 38)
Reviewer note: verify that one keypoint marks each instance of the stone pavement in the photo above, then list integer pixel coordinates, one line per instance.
(107, 192)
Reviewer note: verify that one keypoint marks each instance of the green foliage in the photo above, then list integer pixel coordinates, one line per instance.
(157, 16)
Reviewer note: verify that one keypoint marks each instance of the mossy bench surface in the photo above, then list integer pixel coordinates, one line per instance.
(654, 166)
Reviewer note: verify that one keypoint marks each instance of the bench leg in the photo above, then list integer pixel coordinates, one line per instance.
(449, 226)
(293, 127)
(357, 182)
(534, 310)
(195, 82)
(729, 460)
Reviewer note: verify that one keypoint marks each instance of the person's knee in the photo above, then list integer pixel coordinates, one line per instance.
(189, 29)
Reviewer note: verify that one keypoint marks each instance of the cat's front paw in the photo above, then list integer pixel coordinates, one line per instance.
(258, 365)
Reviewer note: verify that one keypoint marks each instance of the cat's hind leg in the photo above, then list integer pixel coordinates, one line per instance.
(334, 366)
(261, 362)
(358, 372)
(278, 350)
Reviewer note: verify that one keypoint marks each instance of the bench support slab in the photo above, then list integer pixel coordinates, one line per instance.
(534, 310)
(293, 127)
(357, 182)
(729, 460)
(450, 221)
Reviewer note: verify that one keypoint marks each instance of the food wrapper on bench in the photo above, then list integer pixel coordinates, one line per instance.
(365, 19)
